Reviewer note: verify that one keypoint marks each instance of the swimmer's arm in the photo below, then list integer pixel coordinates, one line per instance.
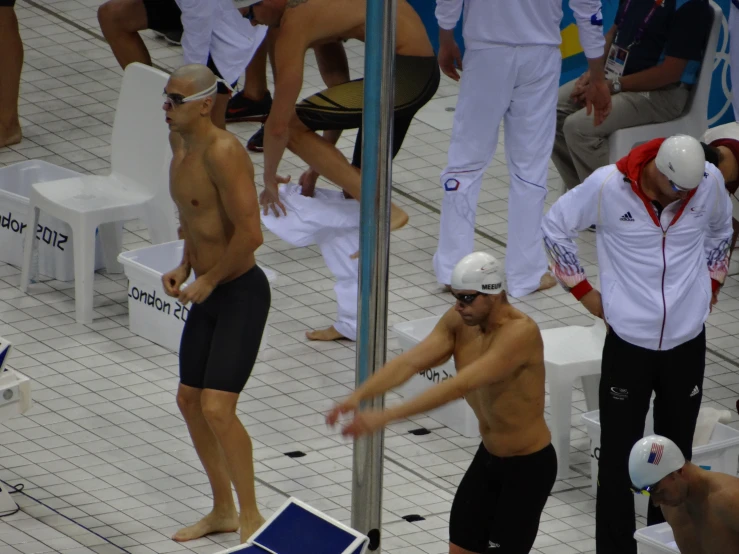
(683, 529)
(289, 56)
(717, 241)
(574, 211)
(511, 349)
(230, 170)
(433, 351)
(726, 506)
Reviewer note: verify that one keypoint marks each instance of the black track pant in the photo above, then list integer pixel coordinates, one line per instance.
(629, 375)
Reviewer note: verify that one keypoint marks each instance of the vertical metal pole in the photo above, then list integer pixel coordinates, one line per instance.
(377, 132)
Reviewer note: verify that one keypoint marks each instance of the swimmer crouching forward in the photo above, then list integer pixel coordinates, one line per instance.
(499, 356)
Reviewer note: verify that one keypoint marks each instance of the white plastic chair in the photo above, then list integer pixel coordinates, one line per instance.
(137, 187)
(570, 353)
(693, 122)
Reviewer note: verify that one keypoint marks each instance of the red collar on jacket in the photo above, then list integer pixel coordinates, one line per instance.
(632, 165)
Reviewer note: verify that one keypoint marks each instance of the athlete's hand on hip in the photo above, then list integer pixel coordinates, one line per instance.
(308, 181)
(593, 301)
(270, 197)
(173, 280)
(598, 99)
(348, 405)
(450, 57)
(365, 423)
(197, 291)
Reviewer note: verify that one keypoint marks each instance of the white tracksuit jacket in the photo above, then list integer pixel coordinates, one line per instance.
(522, 22)
(655, 274)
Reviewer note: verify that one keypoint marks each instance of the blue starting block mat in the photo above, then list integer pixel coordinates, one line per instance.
(5, 348)
(296, 528)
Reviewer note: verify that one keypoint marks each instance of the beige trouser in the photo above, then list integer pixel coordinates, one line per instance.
(580, 148)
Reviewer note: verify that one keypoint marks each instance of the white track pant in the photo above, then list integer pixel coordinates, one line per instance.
(331, 222)
(734, 57)
(517, 85)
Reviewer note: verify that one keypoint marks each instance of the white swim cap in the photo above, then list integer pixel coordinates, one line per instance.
(681, 159)
(652, 459)
(478, 271)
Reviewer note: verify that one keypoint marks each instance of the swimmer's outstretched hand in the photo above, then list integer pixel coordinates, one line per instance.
(348, 405)
(365, 423)
(173, 280)
(270, 197)
(197, 291)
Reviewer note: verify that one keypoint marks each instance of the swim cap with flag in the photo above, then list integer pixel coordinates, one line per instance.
(480, 272)
(652, 459)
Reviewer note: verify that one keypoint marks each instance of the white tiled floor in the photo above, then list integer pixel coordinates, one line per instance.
(105, 449)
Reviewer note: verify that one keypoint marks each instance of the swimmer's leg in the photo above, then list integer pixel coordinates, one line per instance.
(328, 160)
(120, 22)
(242, 306)
(219, 409)
(11, 64)
(194, 353)
(224, 518)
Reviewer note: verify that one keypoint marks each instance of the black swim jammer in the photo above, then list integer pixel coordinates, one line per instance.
(221, 338)
(340, 107)
(499, 502)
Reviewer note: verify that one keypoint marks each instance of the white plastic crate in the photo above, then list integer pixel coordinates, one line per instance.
(151, 313)
(55, 258)
(657, 539)
(456, 415)
(720, 454)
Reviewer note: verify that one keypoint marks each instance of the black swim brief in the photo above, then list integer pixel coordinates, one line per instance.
(222, 335)
(499, 502)
(340, 107)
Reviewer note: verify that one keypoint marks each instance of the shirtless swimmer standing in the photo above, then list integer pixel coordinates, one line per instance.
(212, 183)
(499, 355)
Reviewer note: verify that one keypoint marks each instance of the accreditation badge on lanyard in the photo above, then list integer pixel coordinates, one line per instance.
(617, 55)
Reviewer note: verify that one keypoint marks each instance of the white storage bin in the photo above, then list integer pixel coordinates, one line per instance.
(456, 415)
(55, 257)
(657, 539)
(720, 454)
(151, 313)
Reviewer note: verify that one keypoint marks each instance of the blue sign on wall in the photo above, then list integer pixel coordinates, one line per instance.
(574, 63)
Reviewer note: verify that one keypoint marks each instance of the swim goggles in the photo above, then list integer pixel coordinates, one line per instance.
(677, 188)
(175, 100)
(466, 298)
(645, 491)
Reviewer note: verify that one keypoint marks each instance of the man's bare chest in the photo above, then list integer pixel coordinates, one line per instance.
(190, 185)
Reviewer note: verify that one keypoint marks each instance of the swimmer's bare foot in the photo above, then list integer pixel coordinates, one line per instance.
(547, 281)
(210, 524)
(398, 218)
(10, 135)
(325, 334)
(249, 526)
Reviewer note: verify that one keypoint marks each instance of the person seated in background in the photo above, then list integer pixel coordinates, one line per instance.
(214, 34)
(702, 507)
(11, 64)
(653, 54)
